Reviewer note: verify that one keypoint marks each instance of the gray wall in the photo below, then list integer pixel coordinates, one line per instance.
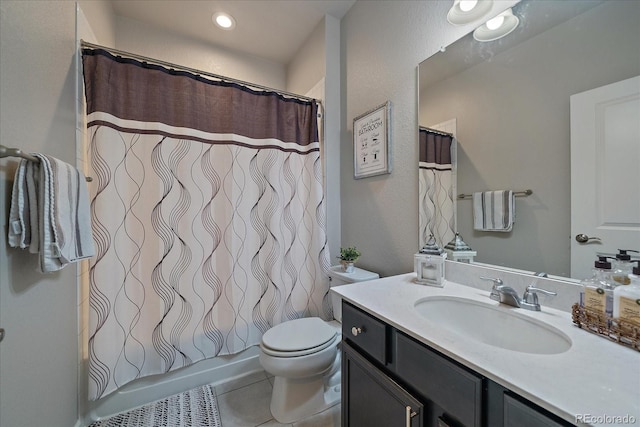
(513, 129)
(39, 355)
(308, 66)
(382, 44)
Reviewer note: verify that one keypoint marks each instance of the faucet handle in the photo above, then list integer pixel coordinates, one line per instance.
(494, 289)
(496, 282)
(533, 289)
(530, 297)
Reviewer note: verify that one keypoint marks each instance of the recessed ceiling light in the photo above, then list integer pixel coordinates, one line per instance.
(466, 11)
(224, 20)
(497, 27)
(467, 5)
(495, 23)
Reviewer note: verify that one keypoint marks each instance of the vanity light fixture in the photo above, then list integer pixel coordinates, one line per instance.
(224, 20)
(466, 11)
(497, 27)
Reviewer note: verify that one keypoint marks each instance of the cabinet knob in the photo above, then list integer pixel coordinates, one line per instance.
(355, 331)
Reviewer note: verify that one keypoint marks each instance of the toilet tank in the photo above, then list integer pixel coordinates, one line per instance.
(338, 277)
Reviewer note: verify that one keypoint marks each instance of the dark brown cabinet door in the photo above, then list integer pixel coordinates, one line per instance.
(520, 414)
(453, 394)
(372, 399)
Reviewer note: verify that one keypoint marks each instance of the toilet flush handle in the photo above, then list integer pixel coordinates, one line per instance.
(356, 330)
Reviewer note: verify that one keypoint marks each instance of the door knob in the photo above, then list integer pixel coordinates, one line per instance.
(583, 238)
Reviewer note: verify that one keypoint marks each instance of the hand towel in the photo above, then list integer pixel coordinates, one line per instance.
(50, 213)
(32, 174)
(49, 251)
(493, 210)
(73, 219)
(19, 234)
(65, 221)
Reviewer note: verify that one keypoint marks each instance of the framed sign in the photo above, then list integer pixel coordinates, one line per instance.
(372, 142)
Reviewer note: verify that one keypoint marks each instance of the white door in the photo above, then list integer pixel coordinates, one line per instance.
(605, 172)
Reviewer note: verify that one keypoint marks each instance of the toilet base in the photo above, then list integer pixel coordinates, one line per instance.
(293, 400)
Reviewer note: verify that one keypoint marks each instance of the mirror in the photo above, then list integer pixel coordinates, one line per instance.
(509, 104)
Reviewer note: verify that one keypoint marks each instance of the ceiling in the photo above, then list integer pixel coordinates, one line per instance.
(271, 29)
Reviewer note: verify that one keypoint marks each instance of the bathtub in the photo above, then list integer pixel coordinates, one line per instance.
(145, 390)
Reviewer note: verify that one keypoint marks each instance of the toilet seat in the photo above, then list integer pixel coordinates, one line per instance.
(298, 337)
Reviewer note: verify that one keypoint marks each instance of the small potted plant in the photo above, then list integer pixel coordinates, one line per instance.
(348, 256)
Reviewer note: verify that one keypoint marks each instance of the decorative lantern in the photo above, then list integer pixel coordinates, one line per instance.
(429, 264)
(458, 250)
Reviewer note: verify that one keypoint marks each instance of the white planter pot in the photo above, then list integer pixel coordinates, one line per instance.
(347, 266)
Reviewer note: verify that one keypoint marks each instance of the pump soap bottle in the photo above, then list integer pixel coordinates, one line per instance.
(622, 267)
(597, 291)
(626, 298)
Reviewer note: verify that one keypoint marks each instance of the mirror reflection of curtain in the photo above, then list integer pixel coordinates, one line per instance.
(208, 213)
(436, 192)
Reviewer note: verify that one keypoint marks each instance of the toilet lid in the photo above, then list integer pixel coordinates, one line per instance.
(298, 334)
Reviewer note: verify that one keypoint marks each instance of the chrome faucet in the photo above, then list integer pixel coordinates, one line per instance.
(507, 295)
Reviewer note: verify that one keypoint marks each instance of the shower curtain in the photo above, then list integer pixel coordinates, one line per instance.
(436, 187)
(208, 217)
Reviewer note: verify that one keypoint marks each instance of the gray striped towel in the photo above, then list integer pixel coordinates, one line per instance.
(493, 210)
(50, 213)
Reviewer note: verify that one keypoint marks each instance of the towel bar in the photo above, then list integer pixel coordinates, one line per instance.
(16, 152)
(515, 193)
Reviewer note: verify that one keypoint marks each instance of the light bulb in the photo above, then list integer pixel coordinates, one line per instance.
(495, 23)
(224, 21)
(497, 27)
(467, 5)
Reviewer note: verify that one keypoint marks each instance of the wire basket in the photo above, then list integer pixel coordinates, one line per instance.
(617, 330)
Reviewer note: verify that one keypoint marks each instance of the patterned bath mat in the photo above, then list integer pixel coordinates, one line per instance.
(193, 408)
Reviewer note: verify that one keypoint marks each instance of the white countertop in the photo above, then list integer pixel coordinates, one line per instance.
(595, 377)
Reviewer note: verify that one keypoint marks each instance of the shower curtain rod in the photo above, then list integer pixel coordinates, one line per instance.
(195, 71)
(437, 132)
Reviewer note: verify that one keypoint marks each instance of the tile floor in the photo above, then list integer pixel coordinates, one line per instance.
(244, 402)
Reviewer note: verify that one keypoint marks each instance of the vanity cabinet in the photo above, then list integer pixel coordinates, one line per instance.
(390, 379)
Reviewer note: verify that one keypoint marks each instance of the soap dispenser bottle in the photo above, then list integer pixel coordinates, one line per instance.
(597, 291)
(626, 298)
(622, 267)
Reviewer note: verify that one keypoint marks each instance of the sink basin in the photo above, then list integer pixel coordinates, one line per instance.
(494, 325)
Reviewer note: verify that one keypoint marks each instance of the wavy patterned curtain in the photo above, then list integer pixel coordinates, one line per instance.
(436, 198)
(208, 214)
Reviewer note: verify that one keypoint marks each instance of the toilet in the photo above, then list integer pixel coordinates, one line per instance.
(303, 357)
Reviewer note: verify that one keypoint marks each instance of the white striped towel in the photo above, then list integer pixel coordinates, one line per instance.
(19, 233)
(493, 210)
(50, 213)
(23, 214)
(32, 175)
